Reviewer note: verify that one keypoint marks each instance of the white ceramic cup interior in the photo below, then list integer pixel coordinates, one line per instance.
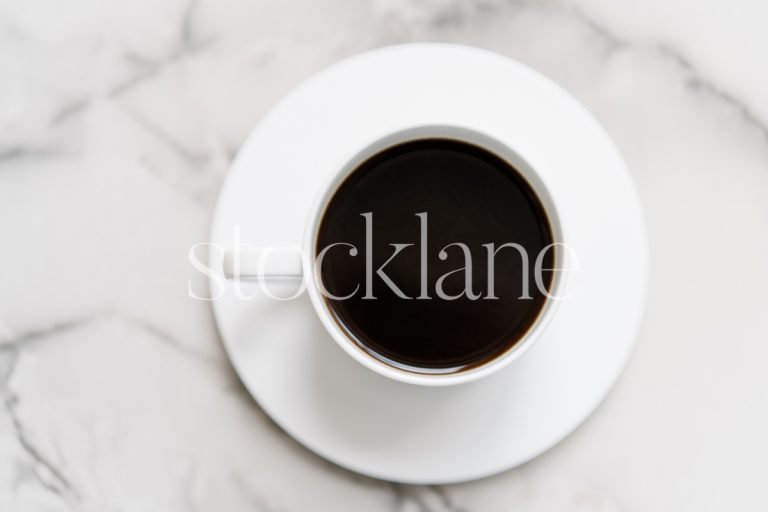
(291, 263)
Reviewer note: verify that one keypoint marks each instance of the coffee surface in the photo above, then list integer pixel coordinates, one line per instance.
(441, 192)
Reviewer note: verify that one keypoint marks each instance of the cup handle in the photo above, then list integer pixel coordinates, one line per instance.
(276, 262)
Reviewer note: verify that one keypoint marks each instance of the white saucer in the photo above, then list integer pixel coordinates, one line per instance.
(382, 428)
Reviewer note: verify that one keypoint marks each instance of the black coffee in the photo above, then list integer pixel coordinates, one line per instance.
(416, 313)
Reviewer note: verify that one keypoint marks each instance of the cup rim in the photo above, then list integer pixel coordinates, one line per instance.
(464, 134)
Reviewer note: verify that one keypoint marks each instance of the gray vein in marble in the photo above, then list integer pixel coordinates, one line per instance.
(401, 498)
(416, 499)
(42, 468)
(18, 151)
(406, 496)
(168, 140)
(694, 79)
(445, 498)
(164, 337)
(78, 106)
(697, 82)
(613, 41)
(46, 472)
(455, 14)
(187, 45)
(187, 38)
(31, 335)
(155, 332)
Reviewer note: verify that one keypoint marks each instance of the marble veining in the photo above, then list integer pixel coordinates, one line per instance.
(118, 121)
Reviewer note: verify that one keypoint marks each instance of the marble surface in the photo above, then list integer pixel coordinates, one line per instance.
(117, 124)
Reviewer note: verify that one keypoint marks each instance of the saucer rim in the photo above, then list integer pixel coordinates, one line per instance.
(461, 476)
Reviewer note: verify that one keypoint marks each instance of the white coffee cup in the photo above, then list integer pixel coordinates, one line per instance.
(283, 261)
